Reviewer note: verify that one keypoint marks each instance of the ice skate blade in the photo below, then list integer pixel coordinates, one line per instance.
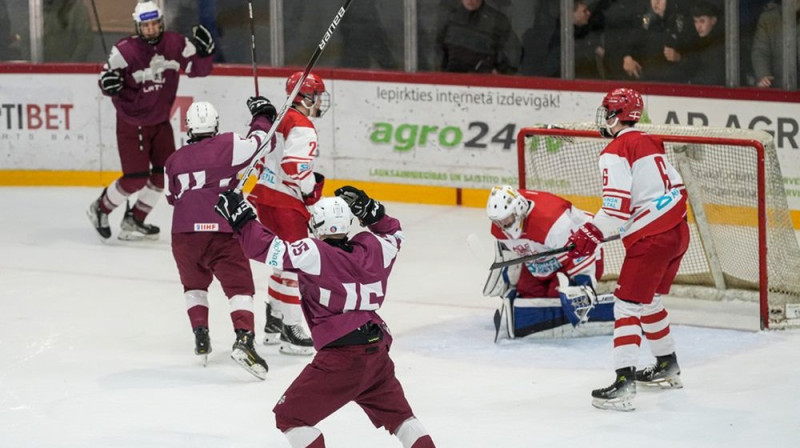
(294, 350)
(127, 235)
(272, 338)
(664, 383)
(614, 404)
(204, 358)
(244, 360)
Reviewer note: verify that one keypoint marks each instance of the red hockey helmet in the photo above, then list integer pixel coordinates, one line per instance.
(310, 90)
(624, 104)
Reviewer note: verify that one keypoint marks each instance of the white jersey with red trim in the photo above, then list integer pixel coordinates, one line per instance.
(550, 222)
(288, 169)
(643, 194)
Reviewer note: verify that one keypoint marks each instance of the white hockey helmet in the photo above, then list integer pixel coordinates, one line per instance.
(507, 209)
(148, 11)
(331, 217)
(202, 118)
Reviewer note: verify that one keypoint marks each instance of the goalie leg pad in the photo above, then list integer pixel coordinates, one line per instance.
(500, 280)
(535, 315)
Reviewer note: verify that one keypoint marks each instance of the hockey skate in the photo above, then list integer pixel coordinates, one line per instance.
(618, 396)
(131, 229)
(99, 219)
(245, 354)
(295, 341)
(273, 328)
(665, 374)
(202, 343)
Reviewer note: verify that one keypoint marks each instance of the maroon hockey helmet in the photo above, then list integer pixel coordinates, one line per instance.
(624, 104)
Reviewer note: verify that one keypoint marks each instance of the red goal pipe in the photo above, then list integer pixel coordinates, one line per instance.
(763, 287)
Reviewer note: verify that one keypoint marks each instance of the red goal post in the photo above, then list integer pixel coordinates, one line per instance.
(743, 244)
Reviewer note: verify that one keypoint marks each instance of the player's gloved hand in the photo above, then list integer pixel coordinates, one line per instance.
(585, 239)
(111, 82)
(232, 206)
(260, 105)
(316, 193)
(202, 40)
(367, 210)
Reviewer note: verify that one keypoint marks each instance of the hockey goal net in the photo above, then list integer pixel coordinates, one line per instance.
(743, 244)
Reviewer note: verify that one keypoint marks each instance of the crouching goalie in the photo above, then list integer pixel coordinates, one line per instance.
(552, 295)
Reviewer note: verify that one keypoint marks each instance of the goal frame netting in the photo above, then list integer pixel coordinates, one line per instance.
(769, 317)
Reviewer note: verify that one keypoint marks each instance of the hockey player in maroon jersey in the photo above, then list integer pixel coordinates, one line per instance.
(287, 184)
(643, 198)
(141, 77)
(551, 291)
(202, 242)
(343, 284)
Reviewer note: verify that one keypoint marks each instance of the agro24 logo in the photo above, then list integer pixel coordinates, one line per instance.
(478, 135)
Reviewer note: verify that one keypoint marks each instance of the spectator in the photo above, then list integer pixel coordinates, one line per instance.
(616, 18)
(749, 13)
(473, 37)
(768, 47)
(656, 46)
(547, 19)
(67, 31)
(706, 59)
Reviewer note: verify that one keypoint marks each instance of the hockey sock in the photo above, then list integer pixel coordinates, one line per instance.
(147, 199)
(242, 312)
(197, 307)
(655, 324)
(627, 333)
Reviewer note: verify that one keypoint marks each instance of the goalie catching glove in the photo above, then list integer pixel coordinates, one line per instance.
(367, 210)
(202, 40)
(234, 209)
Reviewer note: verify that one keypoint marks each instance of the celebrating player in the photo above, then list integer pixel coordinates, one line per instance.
(343, 283)
(141, 77)
(287, 184)
(645, 199)
(526, 222)
(201, 240)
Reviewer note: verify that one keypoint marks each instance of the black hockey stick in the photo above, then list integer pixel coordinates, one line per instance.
(317, 53)
(547, 253)
(253, 44)
(99, 28)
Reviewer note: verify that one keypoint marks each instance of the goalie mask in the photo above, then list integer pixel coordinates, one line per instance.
(149, 22)
(621, 105)
(312, 94)
(330, 217)
(508, 209)
(202, 119)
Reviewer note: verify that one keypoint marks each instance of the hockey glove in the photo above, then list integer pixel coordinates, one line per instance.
(316, 193)
(367, 210)
(111, 82)
(203, 41)
(259, 105)
(586, 239)
(234, 209)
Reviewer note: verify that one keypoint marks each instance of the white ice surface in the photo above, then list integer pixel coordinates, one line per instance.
(96, 351)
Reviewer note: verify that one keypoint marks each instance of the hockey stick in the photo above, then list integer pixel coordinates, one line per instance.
(547, 253)
(317, 53)
(252, 44)
(99, 28)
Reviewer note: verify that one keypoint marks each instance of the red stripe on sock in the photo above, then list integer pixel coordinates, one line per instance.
(657, 335)
(633, 339)
(653, 318)
(625, 321)
(283, 297)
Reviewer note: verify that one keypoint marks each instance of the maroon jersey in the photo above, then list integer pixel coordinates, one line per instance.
(340, 290)
(197, 173)
(151, 74)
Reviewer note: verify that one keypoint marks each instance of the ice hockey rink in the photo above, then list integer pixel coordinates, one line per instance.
(96, 351)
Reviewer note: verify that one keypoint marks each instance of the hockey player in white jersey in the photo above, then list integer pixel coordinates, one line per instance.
(644, 195)
(547, 293)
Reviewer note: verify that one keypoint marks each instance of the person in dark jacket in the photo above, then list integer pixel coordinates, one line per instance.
(473, 37)
(706, 59)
